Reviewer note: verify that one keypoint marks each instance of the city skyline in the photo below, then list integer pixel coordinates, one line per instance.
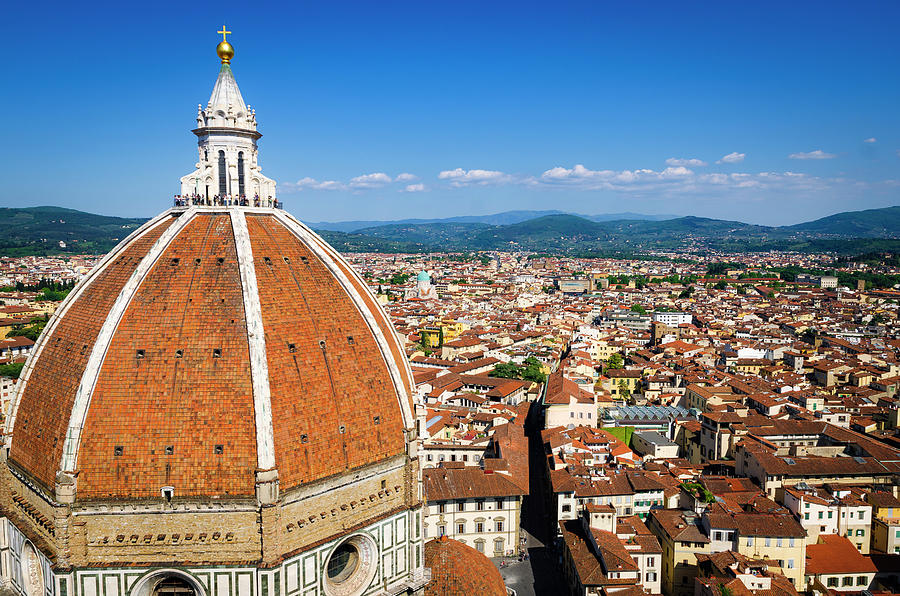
(770, 115)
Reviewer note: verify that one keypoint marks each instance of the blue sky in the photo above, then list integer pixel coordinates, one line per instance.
(771, 113)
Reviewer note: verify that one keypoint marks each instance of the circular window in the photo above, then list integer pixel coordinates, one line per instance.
(351, 566)
(343, 562)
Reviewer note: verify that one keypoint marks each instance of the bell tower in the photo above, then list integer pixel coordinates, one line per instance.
(228, 164)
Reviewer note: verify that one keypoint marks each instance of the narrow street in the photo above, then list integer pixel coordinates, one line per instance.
(540, 575)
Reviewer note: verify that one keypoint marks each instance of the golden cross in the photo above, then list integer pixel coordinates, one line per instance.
(224, 33)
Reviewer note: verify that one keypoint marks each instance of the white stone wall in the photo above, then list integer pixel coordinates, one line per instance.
(398, 541)
(452, 517)
(645, 501)
(650, 566)
(12, 545)
(468, 455)
(574, 413)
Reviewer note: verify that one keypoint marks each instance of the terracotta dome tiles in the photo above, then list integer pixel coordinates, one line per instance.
(168, 411)
(173, 400)
(334, 406)
(44, 408)
(460, 570)
(387, 328)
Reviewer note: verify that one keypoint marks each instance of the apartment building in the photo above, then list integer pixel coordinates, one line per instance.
(834, 564)
(604, 554)
(840, 512)
(682, 538)
(478, 508)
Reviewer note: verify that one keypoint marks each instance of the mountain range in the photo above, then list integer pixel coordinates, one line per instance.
(848, 232)
(39, 230)
(496, 219)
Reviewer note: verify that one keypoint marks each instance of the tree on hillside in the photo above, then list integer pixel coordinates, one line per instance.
(32, 330)
(615, 362)
(11, 370)
(529, 371)
(398, 279)
(505, 370)
(722, 268)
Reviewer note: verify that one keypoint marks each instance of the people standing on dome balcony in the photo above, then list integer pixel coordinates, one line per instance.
(225, 201)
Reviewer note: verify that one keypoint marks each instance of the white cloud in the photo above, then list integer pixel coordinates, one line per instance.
(870, 140)
(461, 177)
(673, 181)
(673, 161)
(579, 172)
(733, 157)
(308, 183)
(582, 176)
(370, 180)
(817, 154)
(675, 172)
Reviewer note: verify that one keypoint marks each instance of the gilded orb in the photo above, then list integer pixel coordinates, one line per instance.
(225, 51)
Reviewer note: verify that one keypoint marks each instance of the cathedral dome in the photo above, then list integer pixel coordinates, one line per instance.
(220, 408)
(460, 570)
(213, 350)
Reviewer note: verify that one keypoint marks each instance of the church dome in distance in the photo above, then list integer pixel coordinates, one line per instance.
(460, 570)
(423, 276)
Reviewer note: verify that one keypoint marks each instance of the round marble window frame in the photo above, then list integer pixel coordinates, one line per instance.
(28, 559)
(367, 565)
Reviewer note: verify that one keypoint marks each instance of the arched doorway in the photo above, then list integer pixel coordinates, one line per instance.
(167, 582)
(173, 586)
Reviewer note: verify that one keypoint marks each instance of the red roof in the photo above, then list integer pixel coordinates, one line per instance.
(836, 555)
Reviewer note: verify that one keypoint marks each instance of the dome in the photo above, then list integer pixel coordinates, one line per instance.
(213, 348)
(423, 276)
(457, 569)
(220, 408)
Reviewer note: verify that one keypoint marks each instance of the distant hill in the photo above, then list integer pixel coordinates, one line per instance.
(39, 230)
(425, 233)
(626, 215)
(577, 234)
(551, 232)
(496, 219)
(870, 223)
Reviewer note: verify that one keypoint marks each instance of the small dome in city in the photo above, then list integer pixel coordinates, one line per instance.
(457, 569)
